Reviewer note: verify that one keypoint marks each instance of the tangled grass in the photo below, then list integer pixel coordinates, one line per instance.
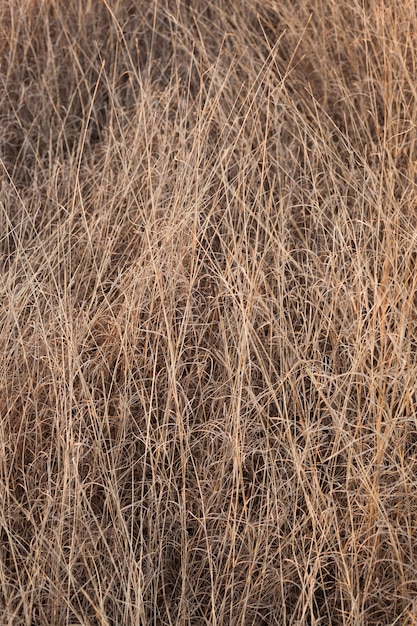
(208, 332)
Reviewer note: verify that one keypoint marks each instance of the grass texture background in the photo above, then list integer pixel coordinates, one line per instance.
(208, 318)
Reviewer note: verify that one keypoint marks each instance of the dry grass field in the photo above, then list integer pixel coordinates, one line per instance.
(208, 323)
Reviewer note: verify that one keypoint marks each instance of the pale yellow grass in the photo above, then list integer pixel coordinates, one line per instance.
(208, 313)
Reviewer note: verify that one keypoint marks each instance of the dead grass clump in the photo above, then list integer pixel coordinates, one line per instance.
(208, 372)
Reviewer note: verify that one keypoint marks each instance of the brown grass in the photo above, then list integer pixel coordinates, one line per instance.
(208, 325)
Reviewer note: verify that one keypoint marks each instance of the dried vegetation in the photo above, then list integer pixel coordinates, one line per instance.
(208, 312)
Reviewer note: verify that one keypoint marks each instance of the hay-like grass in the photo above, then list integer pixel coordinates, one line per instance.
(208, 320)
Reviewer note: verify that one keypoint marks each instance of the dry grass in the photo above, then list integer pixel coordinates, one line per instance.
(208, 328)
